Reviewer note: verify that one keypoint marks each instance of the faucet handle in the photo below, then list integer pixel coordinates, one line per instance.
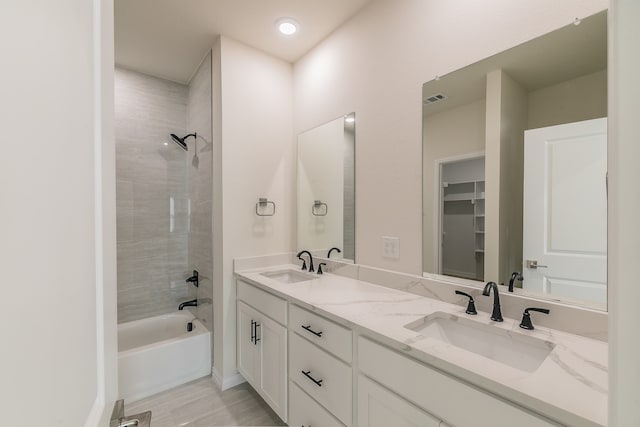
(320, 267)
(526, 317)
(471, 307)
(304, 263)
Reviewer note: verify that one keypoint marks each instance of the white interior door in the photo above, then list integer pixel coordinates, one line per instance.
(565, 210)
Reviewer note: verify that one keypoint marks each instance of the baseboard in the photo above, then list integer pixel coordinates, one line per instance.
(229, 381)
(95, 416)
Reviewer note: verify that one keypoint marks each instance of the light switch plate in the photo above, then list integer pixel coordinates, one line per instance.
(390, 247)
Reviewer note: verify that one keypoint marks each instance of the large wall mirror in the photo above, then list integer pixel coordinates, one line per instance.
(514, 167)
(326, 189)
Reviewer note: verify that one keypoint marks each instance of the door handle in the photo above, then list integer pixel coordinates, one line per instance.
(253, 330)
(532, 263)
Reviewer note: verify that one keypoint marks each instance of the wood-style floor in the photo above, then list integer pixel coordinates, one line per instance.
(201, 404)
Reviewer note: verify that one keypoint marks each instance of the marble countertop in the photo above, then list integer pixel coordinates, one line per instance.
(570, 386)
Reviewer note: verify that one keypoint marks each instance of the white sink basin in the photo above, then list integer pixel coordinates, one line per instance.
(288, 276)
(513, 349)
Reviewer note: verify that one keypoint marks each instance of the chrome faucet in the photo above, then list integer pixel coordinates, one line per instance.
(304, 265)
(192, 303)
(496, 316)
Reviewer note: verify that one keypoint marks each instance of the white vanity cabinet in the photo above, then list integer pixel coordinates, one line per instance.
(262, 345)
(306, 412)
(320, 371)
(436, 397)
(379, 407)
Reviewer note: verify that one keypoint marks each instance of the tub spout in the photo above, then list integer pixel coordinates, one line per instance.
(192, 303)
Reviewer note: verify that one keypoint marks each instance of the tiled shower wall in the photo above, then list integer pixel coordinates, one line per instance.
(200, 187)
(153, 192)
(151, 195)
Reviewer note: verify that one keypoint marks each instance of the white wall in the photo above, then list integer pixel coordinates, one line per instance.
(255, 155)
(453, 132)
(58, 244)
(376, 64)
(574, 100)
(624, 204)
(513, 122)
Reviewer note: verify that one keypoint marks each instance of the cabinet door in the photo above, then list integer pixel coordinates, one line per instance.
(306, 412)
(248, 350)
(379, 407)
(273, 364)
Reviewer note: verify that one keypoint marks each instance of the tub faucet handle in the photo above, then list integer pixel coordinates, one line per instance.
(194, 279)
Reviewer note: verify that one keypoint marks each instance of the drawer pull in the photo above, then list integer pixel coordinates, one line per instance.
(308, 328)
(308, 375)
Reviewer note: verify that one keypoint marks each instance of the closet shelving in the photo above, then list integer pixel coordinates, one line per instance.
(473, 192)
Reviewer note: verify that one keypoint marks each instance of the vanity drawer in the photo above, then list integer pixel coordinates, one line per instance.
(304, 411)
(431, 390)
(328, 380)
(266, 303)
(324, 333)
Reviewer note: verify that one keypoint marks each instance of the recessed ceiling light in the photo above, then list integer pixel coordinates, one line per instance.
(350, 119)
(287, 26)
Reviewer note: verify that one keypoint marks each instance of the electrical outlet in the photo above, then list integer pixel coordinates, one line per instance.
(390, 247)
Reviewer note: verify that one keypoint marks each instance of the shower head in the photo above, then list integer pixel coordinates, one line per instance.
(181, 141)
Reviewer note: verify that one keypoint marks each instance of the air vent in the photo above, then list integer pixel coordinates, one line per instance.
(434, 98)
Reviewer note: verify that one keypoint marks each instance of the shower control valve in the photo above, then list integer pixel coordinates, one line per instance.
(194, 279)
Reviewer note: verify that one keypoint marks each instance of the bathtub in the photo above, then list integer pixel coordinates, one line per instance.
(158, 353)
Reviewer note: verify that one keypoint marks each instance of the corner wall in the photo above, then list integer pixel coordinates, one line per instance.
(506, 123)
(254, 154)
(199, 166)
(623, 207)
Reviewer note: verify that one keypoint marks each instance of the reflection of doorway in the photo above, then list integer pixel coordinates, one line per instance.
(460, 205)
(565, 210)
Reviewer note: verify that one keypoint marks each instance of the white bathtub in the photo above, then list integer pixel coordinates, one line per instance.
(158, 353)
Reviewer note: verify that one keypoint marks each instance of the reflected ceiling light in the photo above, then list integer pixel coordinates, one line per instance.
(287, 26)
(350, 119)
